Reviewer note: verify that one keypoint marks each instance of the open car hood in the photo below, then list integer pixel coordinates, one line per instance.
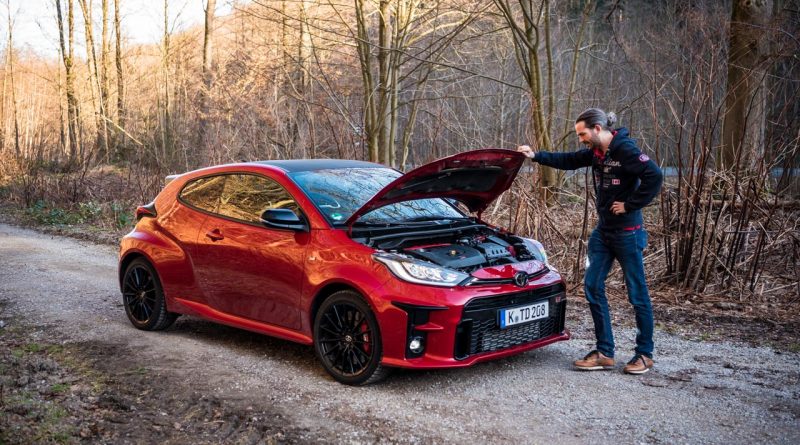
(474, 178)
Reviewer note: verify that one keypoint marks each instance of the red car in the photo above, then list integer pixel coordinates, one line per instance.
(374, 268)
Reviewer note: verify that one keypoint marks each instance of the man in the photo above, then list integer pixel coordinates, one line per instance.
(625, 180)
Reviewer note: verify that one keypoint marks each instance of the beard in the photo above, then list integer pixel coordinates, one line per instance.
(593, 143)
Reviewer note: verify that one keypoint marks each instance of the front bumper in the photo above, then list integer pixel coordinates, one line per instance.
(468, 332)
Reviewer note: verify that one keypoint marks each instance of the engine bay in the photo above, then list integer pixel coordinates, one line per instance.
(463, 249)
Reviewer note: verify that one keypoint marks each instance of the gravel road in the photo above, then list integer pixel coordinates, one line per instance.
(699, 392)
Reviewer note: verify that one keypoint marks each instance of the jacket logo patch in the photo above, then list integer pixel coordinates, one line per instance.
(615, 182)
(613, 163)
(643, 157)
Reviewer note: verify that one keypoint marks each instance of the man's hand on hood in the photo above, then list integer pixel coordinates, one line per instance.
(526, 150)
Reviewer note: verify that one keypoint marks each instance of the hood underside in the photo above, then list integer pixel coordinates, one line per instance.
(474, 178)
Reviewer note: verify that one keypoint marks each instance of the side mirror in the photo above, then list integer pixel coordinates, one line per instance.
(283, 219)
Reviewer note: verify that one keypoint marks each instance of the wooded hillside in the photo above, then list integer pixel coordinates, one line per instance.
(708, 88)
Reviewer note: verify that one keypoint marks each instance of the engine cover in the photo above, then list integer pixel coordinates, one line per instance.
(493, 251)
(454, 256)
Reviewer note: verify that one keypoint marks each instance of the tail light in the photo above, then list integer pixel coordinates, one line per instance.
(146, 211)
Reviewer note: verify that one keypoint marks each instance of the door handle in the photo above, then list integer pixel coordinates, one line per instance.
(214, 235)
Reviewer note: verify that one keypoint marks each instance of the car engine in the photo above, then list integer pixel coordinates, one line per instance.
(466, 246)
(472, 252)
(465, 253)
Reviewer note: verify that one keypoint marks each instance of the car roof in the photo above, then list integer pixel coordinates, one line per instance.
(302, 165)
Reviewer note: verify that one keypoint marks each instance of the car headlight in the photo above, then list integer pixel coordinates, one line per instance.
(537, 250)
(420, 272)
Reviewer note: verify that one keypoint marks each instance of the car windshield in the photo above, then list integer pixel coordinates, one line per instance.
(338, 193)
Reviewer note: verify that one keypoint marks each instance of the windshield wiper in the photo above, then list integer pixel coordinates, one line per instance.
(377, 223)
(408, 221)
(435, 218)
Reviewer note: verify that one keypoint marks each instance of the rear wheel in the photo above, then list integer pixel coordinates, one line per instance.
(347, 339)
(143, 297)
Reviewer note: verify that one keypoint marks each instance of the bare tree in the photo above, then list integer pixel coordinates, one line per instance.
(104, 87)
(164, 99)
(524, 24)
(745, 104)
(119, 141)
(388, 57)
(208, 76)
(68, 56)
(576, 51)
(10, 68)
(95, 82)
(376, 89)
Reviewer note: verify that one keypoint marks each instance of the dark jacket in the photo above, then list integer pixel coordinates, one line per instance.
(623, 174)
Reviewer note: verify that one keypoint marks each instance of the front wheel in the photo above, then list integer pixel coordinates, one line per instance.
(347, 339)
(143, 297)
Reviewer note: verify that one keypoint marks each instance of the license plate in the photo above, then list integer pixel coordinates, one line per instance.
(523, 314)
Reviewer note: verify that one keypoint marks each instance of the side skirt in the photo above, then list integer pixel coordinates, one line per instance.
(201, 310)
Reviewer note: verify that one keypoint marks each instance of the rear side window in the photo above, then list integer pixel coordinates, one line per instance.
(204, 193)
(246, 197)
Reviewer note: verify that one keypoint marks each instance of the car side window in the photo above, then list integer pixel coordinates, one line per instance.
(246, 197)
(204, 193)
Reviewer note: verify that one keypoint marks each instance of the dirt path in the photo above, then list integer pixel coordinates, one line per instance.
(207, 383)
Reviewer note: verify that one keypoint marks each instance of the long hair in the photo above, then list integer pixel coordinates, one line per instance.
(596, 116)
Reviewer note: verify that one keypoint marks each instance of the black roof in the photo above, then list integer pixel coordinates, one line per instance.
(302, 165)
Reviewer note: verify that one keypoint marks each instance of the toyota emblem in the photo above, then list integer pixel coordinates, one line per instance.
(521, 279)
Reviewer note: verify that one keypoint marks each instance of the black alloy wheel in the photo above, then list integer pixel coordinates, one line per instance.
(347, 339)
(143, 297)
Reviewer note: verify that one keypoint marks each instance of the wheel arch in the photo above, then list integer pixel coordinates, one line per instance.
(379, 371)
(324, 293)
(130, 257)
(331, 288)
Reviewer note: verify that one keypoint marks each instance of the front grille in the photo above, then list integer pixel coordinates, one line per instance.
(492, 281)
(479, 330)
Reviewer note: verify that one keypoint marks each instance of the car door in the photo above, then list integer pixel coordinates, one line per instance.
(183, 221)
(245, 268)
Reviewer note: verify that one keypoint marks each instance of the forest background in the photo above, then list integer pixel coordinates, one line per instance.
(708, 88)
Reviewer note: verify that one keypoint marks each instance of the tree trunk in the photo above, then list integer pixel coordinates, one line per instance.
(10, 64)
(369, 133)
(384, 79)
(166, 132)
(525, 34)
(120, 142)
(587, 8)
(538, 118)
(208, 77)
(745, 103)
(67, 54)
(101, 142)
(3, 107)
(303, 113)
(104, 80)
(549, 52)
(568, 119)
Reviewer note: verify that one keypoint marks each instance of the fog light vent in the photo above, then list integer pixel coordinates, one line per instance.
(417, 316)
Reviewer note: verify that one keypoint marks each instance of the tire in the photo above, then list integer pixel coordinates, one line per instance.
(347, 340)
(143, 297)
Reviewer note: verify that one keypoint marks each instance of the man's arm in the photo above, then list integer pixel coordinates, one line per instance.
(650, 178)
(561, 161)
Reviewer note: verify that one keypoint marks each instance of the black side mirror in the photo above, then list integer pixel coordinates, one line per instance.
(283, 219)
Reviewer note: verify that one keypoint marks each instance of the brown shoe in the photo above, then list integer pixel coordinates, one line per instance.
(639, 364)
(594, 361)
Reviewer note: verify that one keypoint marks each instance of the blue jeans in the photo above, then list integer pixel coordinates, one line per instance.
(626, 247)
